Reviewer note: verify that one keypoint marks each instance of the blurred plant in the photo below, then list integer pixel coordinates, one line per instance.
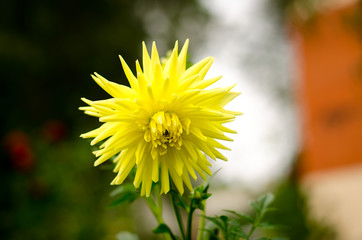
(294, 214)
(47, 194)
(306, 10)
(235, 228)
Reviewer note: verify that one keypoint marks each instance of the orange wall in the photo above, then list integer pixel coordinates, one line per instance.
(329, 51)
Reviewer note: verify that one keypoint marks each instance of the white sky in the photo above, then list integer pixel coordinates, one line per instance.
(266, 140)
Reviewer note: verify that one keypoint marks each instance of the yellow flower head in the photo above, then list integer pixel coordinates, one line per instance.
(165, 123)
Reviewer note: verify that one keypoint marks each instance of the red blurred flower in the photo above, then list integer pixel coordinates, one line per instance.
(20, 152)
(54, 130)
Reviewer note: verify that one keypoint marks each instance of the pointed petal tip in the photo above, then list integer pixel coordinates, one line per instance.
(176, 45)
(210, 59)
(94, 77)
(136, 185)
(144, 47)
(186, 44)
(154, 44)
(92, 144)
(226, 148)
(87, 101)
(232, 86)
(123, 62)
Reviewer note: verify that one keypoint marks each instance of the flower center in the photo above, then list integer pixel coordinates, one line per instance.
(164, 130)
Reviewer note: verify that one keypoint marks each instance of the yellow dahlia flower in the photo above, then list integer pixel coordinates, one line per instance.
(165, 123)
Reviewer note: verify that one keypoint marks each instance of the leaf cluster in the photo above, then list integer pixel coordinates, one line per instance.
(242, 226)
(198, 197)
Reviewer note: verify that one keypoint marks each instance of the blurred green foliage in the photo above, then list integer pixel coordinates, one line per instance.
(293, 213)
(48, 49)
(241, 226)
(56, 196)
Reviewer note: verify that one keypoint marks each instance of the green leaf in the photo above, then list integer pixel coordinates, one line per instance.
(234, 223)
(163, 228)
(126, 197)
(224, 218)
(216, 221)
(126, 187)
(180, 200)
(240, 234)
(205, 196)
(206, 188)
(268, 199)
(261, 205)
(241, 216)
(199, 196)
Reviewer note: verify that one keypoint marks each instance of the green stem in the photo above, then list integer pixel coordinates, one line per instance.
(178, 216)
(202, 223)
(251, 231)
(159, 199)
(189, 221)
(258, 218)
(157, 212)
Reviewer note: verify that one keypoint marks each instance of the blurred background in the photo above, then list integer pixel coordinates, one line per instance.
(298, 64)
